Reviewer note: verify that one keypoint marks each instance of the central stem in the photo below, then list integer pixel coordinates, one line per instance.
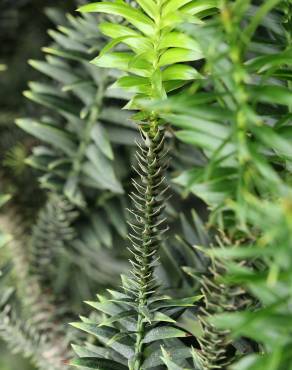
(149, 205)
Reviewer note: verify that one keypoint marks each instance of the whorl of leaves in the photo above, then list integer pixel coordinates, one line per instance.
(153, 49)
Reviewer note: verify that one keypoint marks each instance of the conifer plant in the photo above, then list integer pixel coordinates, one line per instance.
(150, 52)
(210, 79)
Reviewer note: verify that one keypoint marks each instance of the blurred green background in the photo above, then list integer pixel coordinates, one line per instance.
(23, 31)
(10, 362)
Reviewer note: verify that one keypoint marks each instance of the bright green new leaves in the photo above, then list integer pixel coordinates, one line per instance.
(176, 39)
(158, 47)
(180, 72)
(188, 6)
(120, 8)
(178, 55)
(150, 7)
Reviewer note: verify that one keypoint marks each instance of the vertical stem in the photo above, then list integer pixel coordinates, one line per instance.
(151, 207)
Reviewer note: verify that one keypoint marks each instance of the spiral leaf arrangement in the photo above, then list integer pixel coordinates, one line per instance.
(147, 231)
(214, 343)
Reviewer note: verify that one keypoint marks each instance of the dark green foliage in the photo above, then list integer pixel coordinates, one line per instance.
(82, 128)
(116, 330)
(80, 141)
(78, 160)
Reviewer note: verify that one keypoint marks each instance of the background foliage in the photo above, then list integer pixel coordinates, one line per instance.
(68, 162)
